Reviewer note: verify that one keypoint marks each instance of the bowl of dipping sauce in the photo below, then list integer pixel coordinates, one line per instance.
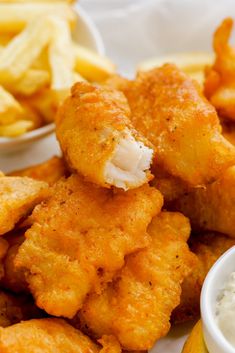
(218, 305)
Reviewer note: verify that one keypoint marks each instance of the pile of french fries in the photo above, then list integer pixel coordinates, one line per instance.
(39, 62)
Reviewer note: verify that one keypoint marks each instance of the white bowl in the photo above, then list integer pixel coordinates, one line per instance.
(85, 34)
(214, 283)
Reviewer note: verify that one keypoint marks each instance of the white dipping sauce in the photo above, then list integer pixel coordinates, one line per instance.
(225, 310)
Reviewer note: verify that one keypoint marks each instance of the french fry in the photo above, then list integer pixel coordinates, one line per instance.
(20, 53)
(10, 108)
(15, 16)
(45, 104)
(188, 62)
(15, 129)
(5, 38)
(42, 62)
(30, 113)
(31, 82)
(91, 65)
(61, 56)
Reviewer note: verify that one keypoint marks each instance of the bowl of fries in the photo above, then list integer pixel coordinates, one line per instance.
(45, 47)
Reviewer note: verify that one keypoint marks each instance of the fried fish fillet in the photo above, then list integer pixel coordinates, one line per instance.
(13, 278)
(50, 336)
(212, 207)
(137, 305)
(49, 171)
(18, 197)
(208, 248)
(98, 140)
(168, 108)
(82, 234)
(220, 78)
(14, 309)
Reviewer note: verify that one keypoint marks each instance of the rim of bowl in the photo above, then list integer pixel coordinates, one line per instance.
(207, 311)
(49, 128)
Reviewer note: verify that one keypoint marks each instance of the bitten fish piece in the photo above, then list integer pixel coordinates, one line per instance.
(50, 336)
(212, 207)
(168, 108)
(18, 197)
(98, 140)
(219, 84)
(137, 305)
(82, 234)
(208, 247)
(49, 171)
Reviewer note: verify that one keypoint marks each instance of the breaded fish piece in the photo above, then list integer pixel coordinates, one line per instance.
(49, 171)
(18, 197)
(98, 140)
(219, 84)
(14, 309)
(137, 305)
(13, 278)
(212, 207)
(169, 109)
(82, 234)
(50, 336)
(208, 248)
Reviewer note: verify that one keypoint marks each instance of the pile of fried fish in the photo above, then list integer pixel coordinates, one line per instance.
(102, 249)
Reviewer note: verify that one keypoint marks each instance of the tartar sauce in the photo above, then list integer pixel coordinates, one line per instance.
(225, 310)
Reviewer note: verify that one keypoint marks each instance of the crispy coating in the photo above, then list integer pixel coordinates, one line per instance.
(89, 126)
(169, 109)
(137, 305)
(18, 197)
(49, 171)
(14, 309)
(208, 248)
(220, 78)
(50, 336)
(14, 277)
(170, 187)
(83, 233)
(212, 207)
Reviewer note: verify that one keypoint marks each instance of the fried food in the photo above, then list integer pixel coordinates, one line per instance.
(10, 109)
(18, 56)
(195, 342)
(49, 171)
(220, 77)
(228, 131)
(192, 63)
(211, 207)
(175, 112)
(96, 136)
(13, 278)
(92, 66)
(18, 197)
(14, 309)
(3, 250)
(49, 336)
(208, 248)
(137, 305)
(14, 17)
(83, 233)
(61, 56)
